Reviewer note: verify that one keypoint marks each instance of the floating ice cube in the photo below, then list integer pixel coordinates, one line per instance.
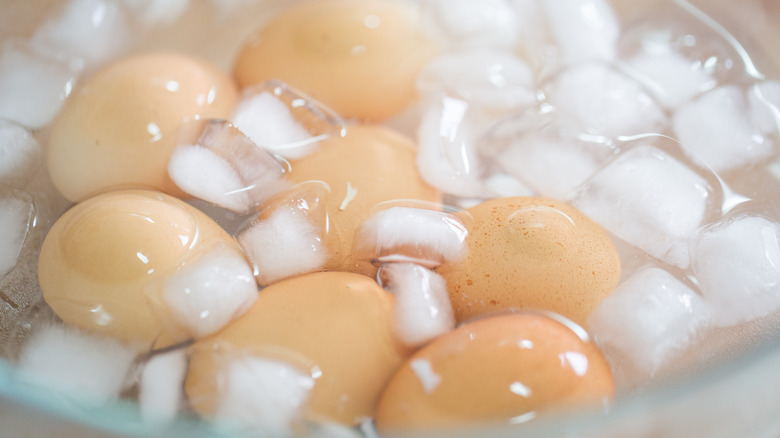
(717, 128)
(17, 216)
(19, 153)
(205, 295)
(650, 318)
(226, 168)
(583, 29)
(446, 155)
(484, 77)
(764, 98)
(160, 388)
(92, 30)
(547, 155)
(284, 120)
(671, 78)
(261, 394)
(423, 310)
(737, 264)
(156, 12)
(650, 200)
(428, 237)
(605, 101)
(81, 366)
(484, 23)
(286, 239)
(33, 85)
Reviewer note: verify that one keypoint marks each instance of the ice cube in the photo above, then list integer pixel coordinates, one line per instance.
(33, 85)
(547, 154)
(206, 294)
(650, 319)
(672, 78)
(226, 168)
(92, 30)
(605, 101)
(289, 237)
(447, 158)
(583, 29)
(19, 153)
(406, 233)
(717, 128)
(284, 120)
(484, 77)
(81, 366)
(17, 217)
(156, 12)
(737, 264)
(160, 388)
(486, 23)
(650, 200)
(423, 311)
(261, 394)
(764, 99)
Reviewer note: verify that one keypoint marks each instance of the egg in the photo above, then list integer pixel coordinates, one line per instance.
(359, 57)
(121, 126)
(101, 258)
(528, 252)
(369, 165)
(507, 368)
(336, 325)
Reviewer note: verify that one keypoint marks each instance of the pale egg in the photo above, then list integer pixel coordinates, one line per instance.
(335, 325)
(120, 127)
(371, 164)
(533, 253)
(359, 57)
(102, 264)
(506, 369)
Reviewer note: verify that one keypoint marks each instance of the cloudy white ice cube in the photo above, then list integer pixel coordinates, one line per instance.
(486, 23)
(423, 311)
(17, 213)
(650, 200)
(83, 367)
(719, 129)
(33, 84)
(160, 387)
(19, 153)
(583, 29)
(650, 319)
(672, 78)
(737, 264)
(205, 295)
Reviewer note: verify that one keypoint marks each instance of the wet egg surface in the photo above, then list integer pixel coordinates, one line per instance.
(121, 126)
(505, 368)
(532, 253)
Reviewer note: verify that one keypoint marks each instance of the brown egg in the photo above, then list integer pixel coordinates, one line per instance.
(121, 126)
(336, 325)
(359, 57)
(100, 258)
(506, 368)
(371, 164)
(532, 253)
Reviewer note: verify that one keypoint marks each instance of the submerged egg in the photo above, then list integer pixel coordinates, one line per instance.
(335, 325)
(371, 164)
(506, 368)
(101, 263)
(359, 57)
(121, 126)
(532, 253)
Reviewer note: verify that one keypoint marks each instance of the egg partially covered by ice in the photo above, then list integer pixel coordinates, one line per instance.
(120, 127)
(145, 268)
(536, 253)
(359, 57)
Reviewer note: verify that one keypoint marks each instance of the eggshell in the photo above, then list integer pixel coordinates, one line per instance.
(359, 57)
(121, 126)
(371, 164)
(506, 368)
(101, 256)
(336, 325)
(528, 252)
